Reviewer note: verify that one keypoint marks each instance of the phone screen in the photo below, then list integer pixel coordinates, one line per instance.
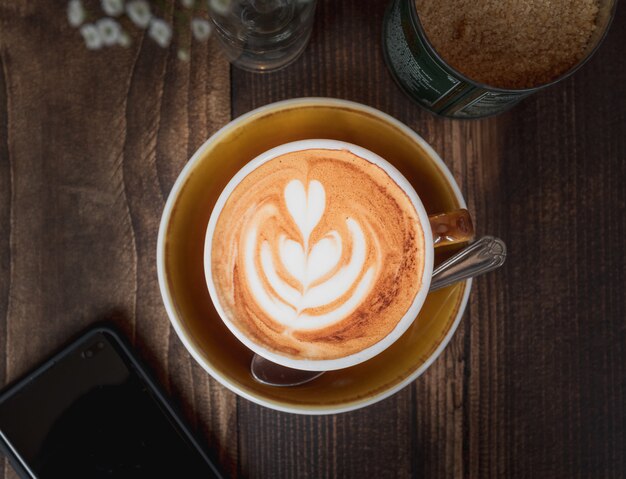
(90, 414)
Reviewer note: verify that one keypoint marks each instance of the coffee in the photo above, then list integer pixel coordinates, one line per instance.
(317, 254)
(181, 249)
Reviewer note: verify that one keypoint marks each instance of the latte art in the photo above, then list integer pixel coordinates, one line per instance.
(317, 254)
(321, 286)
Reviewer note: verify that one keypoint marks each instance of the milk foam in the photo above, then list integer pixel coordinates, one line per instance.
(307, 264)
(317, 254)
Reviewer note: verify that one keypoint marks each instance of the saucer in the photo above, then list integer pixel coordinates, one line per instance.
(181, 242)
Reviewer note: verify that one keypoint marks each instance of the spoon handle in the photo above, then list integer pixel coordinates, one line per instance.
(486, 254)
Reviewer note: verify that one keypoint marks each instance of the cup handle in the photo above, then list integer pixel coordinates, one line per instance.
(451, 228)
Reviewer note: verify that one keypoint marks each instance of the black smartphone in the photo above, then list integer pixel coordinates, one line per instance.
(93, 411)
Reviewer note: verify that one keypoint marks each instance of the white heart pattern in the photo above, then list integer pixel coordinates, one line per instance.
(309, 265)
(322, 258)
(306, 210)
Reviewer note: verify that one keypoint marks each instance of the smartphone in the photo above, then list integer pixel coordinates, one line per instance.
(93, 411)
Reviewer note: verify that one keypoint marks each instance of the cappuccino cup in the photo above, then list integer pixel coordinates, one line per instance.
(319, 253)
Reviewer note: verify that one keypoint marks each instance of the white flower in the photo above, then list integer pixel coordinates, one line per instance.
(91, 36)
(187, 3)
(201, 29)
(113, 8)
(160, 32)
(123, 40)
(183, 55)
(75, 13)
(139, 12)
(221, 7)
(109, 31)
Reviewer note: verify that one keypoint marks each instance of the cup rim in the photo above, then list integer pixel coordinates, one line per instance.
(169, 302)
(407, 318)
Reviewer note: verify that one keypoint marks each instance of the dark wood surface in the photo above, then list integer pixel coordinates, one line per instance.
(532, 385)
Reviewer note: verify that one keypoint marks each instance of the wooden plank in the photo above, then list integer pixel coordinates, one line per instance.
(90, 145)
(533, 383)
(344, 60)
(5, 223)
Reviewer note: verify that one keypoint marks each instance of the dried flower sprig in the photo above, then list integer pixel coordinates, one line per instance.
(121, 16)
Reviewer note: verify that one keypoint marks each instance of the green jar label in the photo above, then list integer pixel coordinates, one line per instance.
(423, 78)
(427, 79)
(486, 103)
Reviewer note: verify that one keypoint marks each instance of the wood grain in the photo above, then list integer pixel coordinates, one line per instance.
(532, 385)
(90, 145)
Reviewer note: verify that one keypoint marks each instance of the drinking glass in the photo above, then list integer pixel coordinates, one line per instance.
(263, 35)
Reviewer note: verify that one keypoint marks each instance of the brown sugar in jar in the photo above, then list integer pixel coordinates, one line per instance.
(510, 44)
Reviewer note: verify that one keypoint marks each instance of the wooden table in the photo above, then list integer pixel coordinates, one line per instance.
(533, 383)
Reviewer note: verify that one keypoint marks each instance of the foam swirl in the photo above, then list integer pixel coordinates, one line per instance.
(317, 254)
(307, 263)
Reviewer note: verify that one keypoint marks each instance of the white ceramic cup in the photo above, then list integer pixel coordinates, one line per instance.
(406, 320)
